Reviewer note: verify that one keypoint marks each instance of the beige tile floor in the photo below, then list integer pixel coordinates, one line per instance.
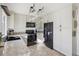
(19, 48)
(1, 51)
(42, 50)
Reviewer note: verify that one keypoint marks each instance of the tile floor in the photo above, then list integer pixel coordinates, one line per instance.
(1, 51)
(19, 48)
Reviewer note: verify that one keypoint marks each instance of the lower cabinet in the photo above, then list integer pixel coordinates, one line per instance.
(31, 40)
(32, 37)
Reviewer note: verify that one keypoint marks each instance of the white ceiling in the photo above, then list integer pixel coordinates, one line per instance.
(19, 7)
(23, 8)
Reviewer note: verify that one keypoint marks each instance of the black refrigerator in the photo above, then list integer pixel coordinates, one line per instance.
(48, 34)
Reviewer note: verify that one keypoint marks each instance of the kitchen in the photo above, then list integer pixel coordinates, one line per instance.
(51, 23)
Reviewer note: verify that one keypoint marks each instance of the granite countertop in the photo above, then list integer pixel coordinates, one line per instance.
(15, 48)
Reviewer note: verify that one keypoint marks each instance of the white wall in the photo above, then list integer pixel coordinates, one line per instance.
(39, 23)
(10, 20)
(19, 23)
(63, 38)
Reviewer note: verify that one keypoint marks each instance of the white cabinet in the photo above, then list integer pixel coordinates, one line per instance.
(63, 30)
(10, 21)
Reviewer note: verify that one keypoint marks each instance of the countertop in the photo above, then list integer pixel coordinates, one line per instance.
(15, 48)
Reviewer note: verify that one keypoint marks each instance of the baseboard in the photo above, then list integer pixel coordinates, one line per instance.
(59, 52)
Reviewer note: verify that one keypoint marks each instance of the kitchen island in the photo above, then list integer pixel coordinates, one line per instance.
(15, 48)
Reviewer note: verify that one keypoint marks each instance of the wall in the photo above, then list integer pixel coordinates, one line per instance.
(11, 20)
(39, 23)
(19, 23)
(63, 37)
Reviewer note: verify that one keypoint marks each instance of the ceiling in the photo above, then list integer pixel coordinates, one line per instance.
(23, 8)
